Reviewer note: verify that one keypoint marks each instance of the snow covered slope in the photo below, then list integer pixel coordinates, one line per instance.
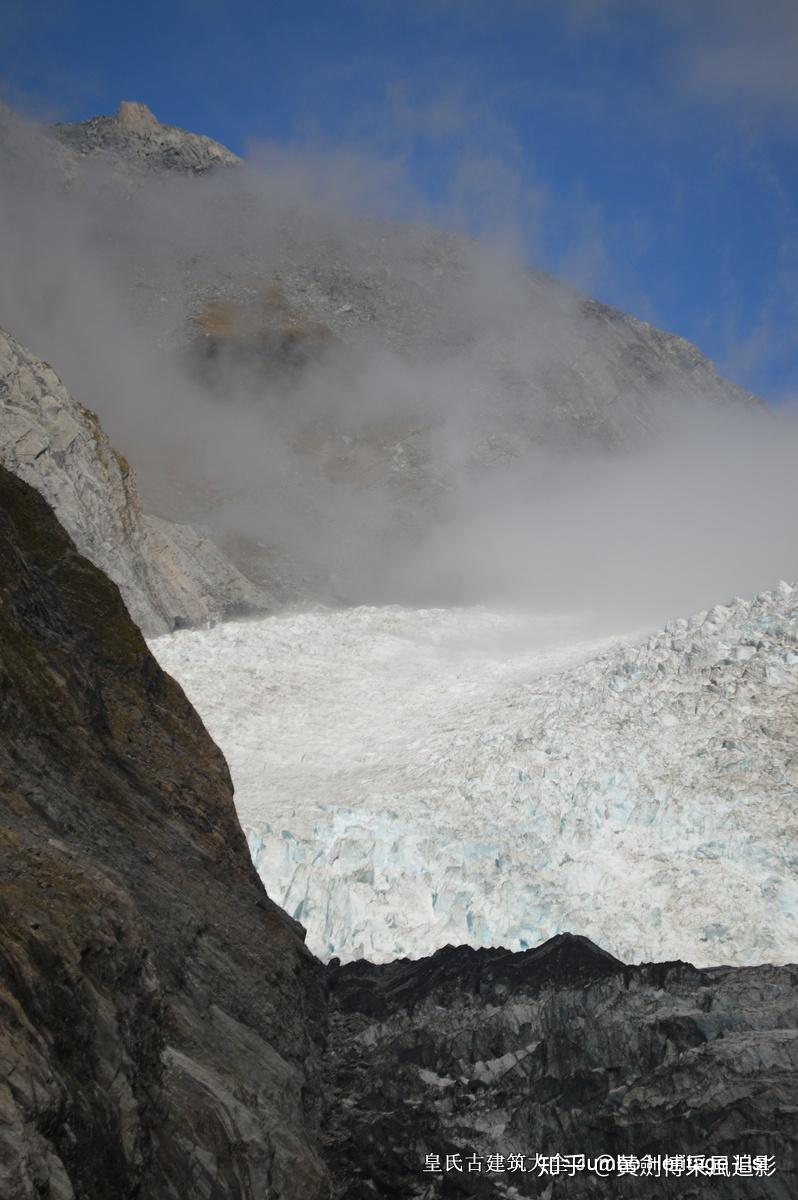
(411, 778)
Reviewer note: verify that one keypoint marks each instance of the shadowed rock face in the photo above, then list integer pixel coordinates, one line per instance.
(559, 1050)
(160, 1018)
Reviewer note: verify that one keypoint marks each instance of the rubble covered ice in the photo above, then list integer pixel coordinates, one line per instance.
(413, 778)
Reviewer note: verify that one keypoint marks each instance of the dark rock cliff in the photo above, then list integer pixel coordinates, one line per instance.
(160, 1018)
(562, 1050)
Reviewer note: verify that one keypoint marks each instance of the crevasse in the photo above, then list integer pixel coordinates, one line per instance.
(408, 778)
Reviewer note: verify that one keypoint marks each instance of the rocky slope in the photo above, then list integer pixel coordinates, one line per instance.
(134, 136)
(165, 1034)
(402, 359)
(506, 1061)
(169, 574)
(417, 289)
(161, 1019)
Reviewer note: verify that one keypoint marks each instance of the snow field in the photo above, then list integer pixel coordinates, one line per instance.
(408, 778)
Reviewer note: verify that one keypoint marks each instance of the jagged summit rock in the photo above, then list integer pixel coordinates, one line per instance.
(560, 362)
(169, 575)
(135, 135)
(136, 117)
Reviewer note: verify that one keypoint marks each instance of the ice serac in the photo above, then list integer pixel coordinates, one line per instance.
(168, 574)
(511, 1060)
(135, 135)
(160, 1019)
(400, 793)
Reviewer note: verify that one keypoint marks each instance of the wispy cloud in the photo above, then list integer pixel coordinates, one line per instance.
(737, 53)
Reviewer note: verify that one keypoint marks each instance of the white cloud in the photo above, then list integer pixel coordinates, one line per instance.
(741, 54)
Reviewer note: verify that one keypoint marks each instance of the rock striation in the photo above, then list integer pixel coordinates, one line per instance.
(133, 134)
(169, 574)
(561, 1051)
(160, 1019)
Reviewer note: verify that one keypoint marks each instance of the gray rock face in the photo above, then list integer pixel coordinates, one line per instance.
(561, 1050)
(133, 134)
(160, 1019)
(168, 574)
(532, 361)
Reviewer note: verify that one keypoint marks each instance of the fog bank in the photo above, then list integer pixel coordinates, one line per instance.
(401, 414)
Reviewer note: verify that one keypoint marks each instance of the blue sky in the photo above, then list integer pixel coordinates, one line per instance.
(646, 151)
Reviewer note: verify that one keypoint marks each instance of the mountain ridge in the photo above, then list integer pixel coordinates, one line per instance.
(135, 134)
(330, 394)
(169, 574)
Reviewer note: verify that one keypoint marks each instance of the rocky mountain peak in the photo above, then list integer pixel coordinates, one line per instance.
(136, 117)
(135, 138)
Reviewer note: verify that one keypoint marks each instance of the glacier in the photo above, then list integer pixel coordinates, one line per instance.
(408, 778)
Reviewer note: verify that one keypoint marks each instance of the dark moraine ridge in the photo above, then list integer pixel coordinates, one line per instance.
(561, 1050)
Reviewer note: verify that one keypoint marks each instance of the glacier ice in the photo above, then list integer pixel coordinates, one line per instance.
(408, 778)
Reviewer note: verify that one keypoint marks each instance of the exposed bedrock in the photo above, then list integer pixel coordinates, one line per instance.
(135, 136)
(161, 1019)
(562, 1050)
(168, 574)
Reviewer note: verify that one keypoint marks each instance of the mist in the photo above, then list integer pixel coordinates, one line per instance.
(440, 425)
